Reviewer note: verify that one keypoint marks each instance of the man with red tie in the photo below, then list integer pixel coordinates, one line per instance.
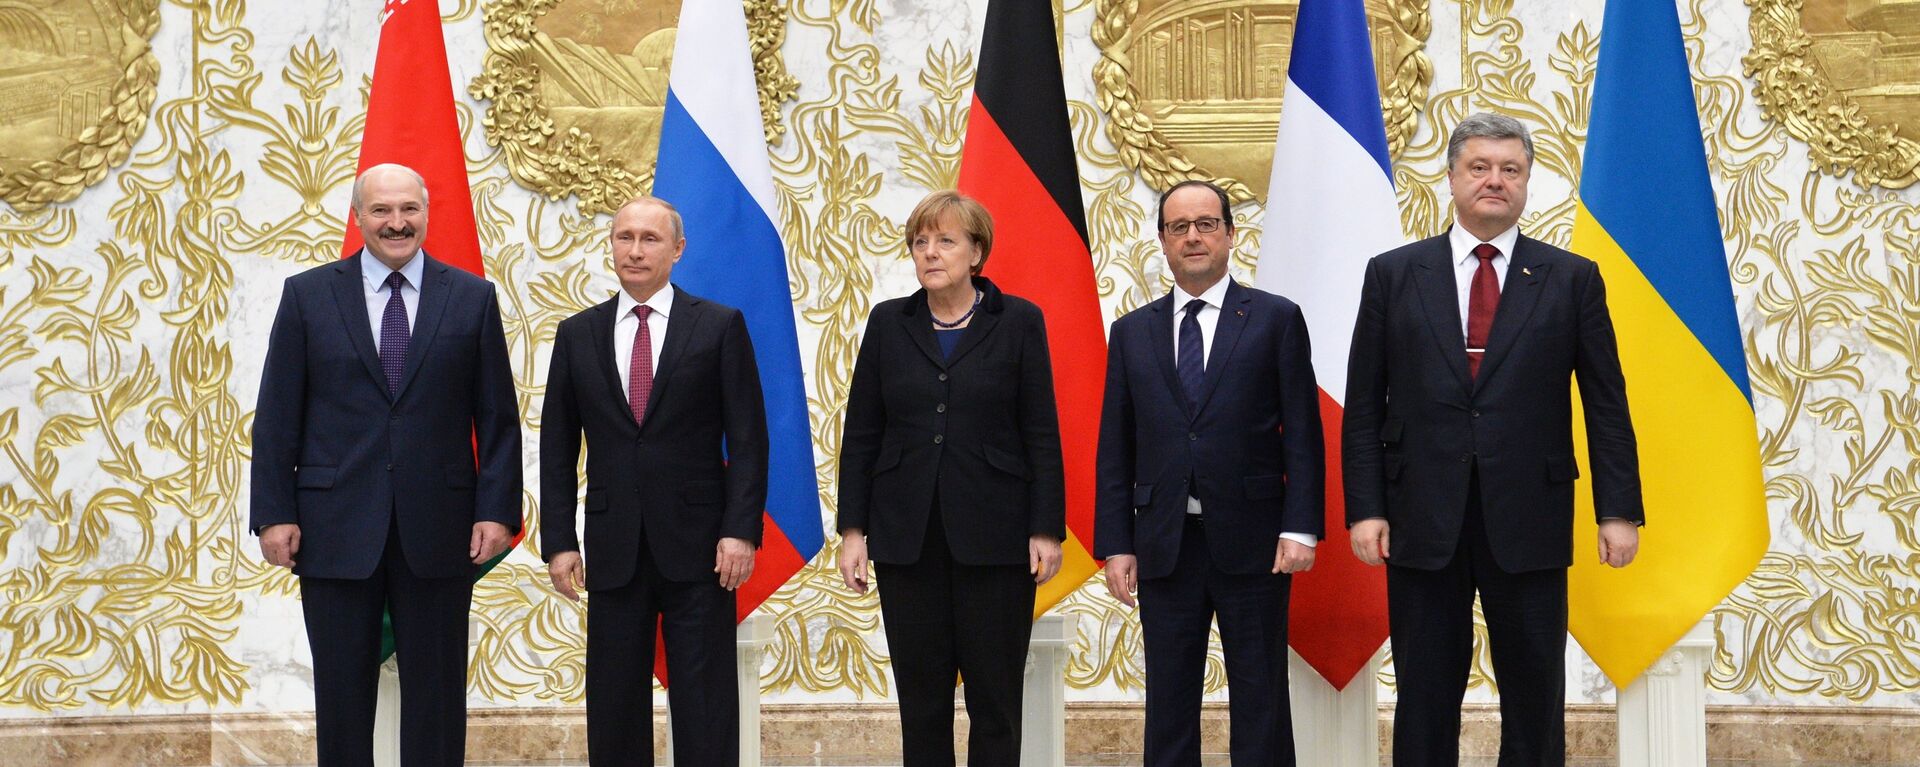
(1458, 451)
(664, 387)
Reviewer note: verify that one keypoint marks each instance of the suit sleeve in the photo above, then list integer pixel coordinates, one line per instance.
(1301, 436)
(1040, 430)
(1611, 448)
(860, 438)
(496, 425)
(559, 453)
(1361, 455)
(744, 414)
(279, 415)
(1113, 493)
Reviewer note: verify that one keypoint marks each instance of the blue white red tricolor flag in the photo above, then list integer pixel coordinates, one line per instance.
(1331, 207)
(713, 167)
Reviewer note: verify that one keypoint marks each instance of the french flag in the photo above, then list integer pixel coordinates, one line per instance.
(1330, 208)
(713, 167)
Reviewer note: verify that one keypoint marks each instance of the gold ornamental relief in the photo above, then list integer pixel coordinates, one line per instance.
(77, 78)
(1843, 76)
(1193, 89)
(577, 89)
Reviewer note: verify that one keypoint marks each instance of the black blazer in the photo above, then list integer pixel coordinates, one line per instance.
(334, 453)
(1252, 452)
(981, 429)
(670, 476)
(1416, 425)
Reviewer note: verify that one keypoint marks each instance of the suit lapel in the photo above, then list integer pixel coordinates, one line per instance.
(682, 323)
(977, 330)
(349, 292)
(1226, 334)
(1518, 297)
(920, 329)
(600, 325)
(1160, 329)
(436, 283)
(1439, 293)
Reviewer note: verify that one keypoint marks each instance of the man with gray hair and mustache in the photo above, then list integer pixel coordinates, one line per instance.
(1458, 451)
(386, 469)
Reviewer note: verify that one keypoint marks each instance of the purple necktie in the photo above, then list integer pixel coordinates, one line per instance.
(394, 334)
(640, 367)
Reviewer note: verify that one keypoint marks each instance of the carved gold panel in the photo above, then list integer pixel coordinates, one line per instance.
(1844, 77)
(76, 82)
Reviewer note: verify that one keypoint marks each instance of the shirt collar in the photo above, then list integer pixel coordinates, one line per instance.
(1463, 242)
(662, 302)
(375, 272)
(1215, 296)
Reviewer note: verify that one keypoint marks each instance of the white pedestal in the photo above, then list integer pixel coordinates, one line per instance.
(750, 641)
(1663, 714)
(386, 717)
(1043, 717)
(1335, 728)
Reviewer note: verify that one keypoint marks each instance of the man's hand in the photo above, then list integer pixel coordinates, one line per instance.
(1292, 556)
(567, 574)
(278, 543)
(489, 539)
(1619, 541)
(1043, 558)
(733, 560)
(853, 560)
(1123, 578)
(1369, 539)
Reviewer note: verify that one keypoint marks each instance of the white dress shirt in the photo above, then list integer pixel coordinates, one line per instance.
(626, 327)
(1465, 263)
(373, 285)
(1209, 318)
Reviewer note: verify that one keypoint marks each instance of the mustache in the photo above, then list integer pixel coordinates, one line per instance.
(405, 231)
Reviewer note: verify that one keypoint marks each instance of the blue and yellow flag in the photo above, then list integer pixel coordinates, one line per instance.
(1647, 216)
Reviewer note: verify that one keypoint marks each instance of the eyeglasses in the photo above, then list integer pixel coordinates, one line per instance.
(1202, 225)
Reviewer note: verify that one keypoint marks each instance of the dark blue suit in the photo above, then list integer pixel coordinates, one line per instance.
(1252, 453)
(386, 490)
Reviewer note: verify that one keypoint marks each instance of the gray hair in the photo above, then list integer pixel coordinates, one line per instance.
(361, 180)
(1487, 125)
(673, 213)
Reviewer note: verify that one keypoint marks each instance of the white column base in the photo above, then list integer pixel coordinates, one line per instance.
(386, 717)
(1335, 728)
(1043, 709)
(1663, 714)
(750, 641)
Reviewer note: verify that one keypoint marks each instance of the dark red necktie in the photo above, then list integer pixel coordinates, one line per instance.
(640, 367)
(1482, 302)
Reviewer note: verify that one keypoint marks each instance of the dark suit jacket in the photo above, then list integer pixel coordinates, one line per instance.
(1252, 452)
(1417, 426)
(693, 473)
(335, 454)
(980, 429)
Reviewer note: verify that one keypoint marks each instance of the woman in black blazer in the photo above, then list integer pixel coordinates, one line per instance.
(951, 483)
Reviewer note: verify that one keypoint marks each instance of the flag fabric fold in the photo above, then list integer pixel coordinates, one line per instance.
(1019, 162)
(1647, 215)
(1330, 208)
(713, 167)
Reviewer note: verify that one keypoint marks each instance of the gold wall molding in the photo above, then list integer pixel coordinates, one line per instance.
(75, 95)
(1844, 88)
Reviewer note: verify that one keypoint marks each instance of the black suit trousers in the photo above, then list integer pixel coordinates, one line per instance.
(696, 621)
(943, 618)
(430, 642)
(1431, 617)
(1175, 612)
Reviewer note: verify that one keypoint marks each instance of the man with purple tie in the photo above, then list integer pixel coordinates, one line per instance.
(386, 378)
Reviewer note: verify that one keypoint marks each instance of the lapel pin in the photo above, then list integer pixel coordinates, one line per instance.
(1240, 312)
(1526, 271)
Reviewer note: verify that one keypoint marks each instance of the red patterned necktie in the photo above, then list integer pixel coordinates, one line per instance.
(640, 369)
(1482, 302)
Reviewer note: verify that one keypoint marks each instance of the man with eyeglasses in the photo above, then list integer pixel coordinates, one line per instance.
(1209, 484)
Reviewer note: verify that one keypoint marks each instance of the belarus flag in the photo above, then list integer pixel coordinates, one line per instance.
(713, 167)
(1330, 208)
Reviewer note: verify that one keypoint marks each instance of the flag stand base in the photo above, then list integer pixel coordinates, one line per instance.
(1043, 710)
(750, 641)
(1663, 714)
(1335, 728)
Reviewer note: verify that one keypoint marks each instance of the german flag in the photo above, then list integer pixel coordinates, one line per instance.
(1019, 163)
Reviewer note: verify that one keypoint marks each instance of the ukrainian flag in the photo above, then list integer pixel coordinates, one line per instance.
(1647, 216)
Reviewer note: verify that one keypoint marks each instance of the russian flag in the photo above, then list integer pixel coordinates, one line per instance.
(1330, 208)
(1672, 304)
(713, 167)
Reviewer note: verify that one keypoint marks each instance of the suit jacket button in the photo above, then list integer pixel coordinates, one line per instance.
(1465, 457)
(943, 376)
(938, 438)
(1476, 414)
(1192, 437)
(940, 408)
(389, 467)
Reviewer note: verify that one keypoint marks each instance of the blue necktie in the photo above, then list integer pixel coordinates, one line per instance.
(1191, 360)
(394, 334)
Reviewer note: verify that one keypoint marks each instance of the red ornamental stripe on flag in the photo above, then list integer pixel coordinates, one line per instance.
(1019, 163)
